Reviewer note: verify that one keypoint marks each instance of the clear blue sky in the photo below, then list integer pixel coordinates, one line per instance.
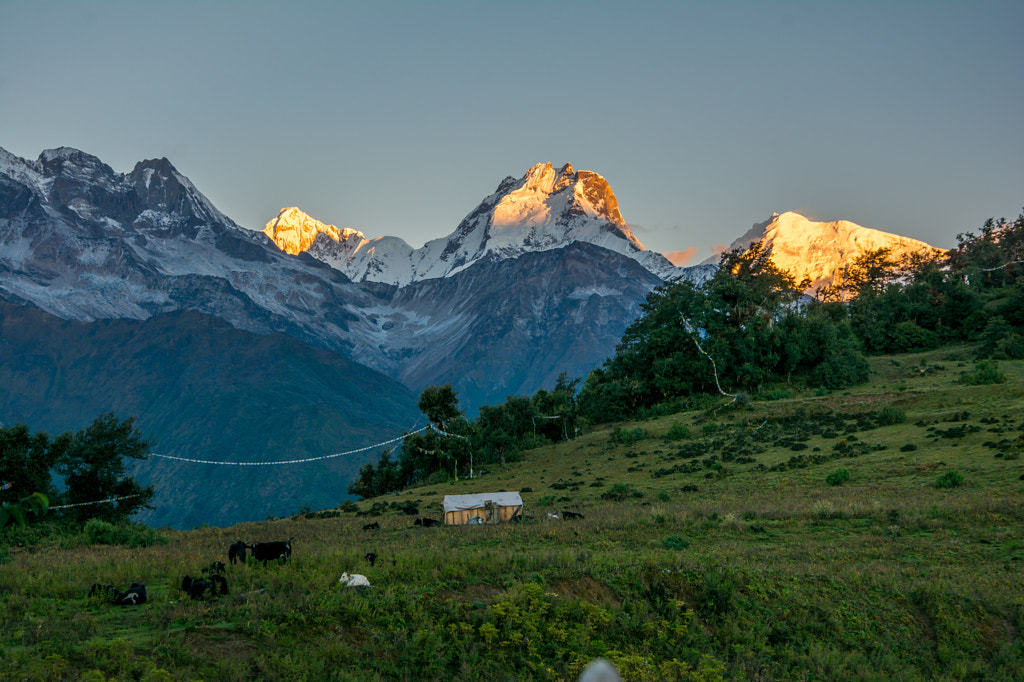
(397, 118)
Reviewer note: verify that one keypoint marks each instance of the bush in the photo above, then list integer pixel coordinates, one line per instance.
(675, 542)
(714, 598)
(623, 436)
(677, 432)
(890, 416)
(950, 479)
(838, 477)
(621, 492)
(99, 532)
(985, 372)
(909, 447)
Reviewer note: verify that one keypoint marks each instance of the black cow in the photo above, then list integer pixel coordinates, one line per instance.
(198, 587)
(133, 596)
(372, 526)
(568, 515)
(236, 552)
(371, 557)
(216, 568)
(426, 523)
(268, 551)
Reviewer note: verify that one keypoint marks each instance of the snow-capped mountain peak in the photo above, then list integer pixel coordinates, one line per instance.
(547, 208)
(294, 231)
(821, 250)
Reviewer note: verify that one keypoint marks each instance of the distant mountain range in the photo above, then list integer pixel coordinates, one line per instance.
(542, 277)
(545, 209)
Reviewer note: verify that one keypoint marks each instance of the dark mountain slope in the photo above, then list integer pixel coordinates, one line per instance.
(204, 390)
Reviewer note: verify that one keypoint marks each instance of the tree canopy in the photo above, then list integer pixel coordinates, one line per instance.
(90, 463)
(741, 329)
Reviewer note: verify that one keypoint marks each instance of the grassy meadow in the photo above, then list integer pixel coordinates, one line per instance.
(869, 534)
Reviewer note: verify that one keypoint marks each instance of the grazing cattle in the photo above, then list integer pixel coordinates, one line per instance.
(133, 596)
(268, 551)
(411, 511)
(372, 526)
(353, 580)
(426, 523)
(568, 515)
(216, 568)
(198, 587)
(236, 552)
(372, 558)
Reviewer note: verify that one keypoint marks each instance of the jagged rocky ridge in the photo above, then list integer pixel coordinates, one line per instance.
(545, 209)
(82, 242)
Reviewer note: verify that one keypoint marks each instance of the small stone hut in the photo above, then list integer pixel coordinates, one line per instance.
(490, 508)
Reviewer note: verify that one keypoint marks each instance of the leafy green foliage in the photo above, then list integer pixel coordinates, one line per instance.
(26, 461)
(736, 332)
(620, 492)
(950, 479)
(838, 477)
(499, 435)
(36, 503)
(440, 404)
(677, 432)
(99, 532)
(92, 465)
(890, 415)
(623, 436)
(675, 542)
(985, 372)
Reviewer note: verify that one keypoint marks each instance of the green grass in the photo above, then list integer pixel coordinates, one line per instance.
(737, 560)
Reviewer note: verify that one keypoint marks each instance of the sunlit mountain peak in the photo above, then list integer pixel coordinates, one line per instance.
(822, 250)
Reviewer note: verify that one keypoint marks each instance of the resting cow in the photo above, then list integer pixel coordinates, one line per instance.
(133, 596)
(353, 580)
(372, 526)
(426, 523)
(568, 515)
(268, 551)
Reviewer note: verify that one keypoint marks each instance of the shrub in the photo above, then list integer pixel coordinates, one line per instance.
(675, 542)
(985, 372)
(621, 492)
(99, 532)
(890, 416)
(623, 436)
(776, 394)
(677, 432)
(714, 598)
(909, 447)
(950, 479)
(838, 477)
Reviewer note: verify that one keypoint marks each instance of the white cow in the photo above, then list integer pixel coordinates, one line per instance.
(353, 580)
